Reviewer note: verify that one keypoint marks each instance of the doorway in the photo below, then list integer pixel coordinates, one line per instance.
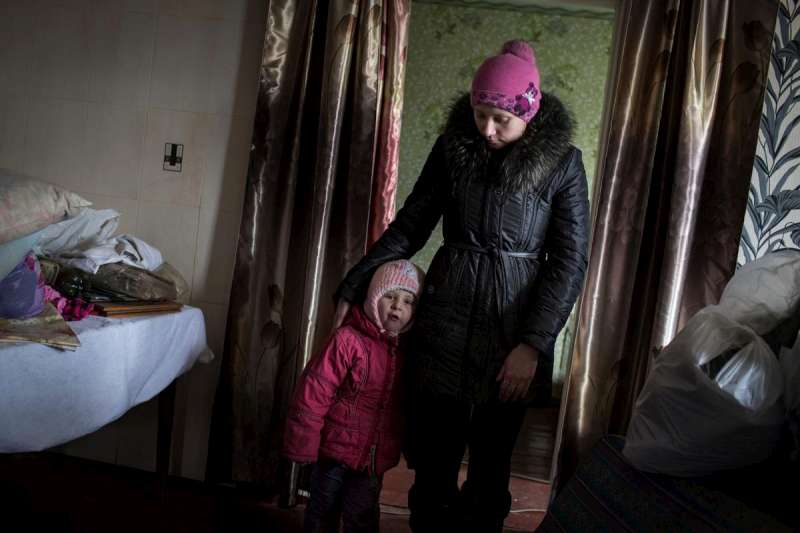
(448, 39)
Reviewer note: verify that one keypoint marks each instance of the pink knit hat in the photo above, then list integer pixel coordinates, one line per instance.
(400, 274)
(509, 81)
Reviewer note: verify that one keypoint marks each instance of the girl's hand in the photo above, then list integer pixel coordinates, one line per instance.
(342, 308)
(517, 373)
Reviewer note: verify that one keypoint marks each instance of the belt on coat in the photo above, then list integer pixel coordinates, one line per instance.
(491, 250)
(502, 266)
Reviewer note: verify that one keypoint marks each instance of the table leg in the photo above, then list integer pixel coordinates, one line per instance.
(166, 414)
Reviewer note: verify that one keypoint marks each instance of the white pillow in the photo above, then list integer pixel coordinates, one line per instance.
(28, 205)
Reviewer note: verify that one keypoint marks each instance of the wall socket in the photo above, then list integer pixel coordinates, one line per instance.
(173, 157)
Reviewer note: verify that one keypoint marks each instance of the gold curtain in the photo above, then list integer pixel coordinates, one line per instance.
(330, 85)
(683, 114)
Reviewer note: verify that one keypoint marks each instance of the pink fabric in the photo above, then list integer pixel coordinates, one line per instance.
(349, 399)
(509, 81)
(70, 310)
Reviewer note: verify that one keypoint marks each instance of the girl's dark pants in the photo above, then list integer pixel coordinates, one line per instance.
(339, 493)
(440, 430)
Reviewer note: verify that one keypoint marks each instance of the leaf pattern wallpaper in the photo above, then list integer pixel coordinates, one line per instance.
(448, 41)
(772, 220)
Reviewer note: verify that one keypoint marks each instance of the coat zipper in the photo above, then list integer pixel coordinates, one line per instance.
(372, 466)
(372, 452)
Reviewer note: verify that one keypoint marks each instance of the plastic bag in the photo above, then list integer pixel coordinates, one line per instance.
(22, 290)
(11, 253)
(133, 282)
(171, 274)
(790, 364)
(763, 292)
(686, 424)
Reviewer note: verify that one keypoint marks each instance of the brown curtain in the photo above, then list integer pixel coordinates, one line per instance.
(683, 115)
(330, 87)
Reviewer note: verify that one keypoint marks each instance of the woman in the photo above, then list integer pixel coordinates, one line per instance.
(513, 196)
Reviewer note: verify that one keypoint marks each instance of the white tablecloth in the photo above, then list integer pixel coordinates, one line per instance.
(48, 396)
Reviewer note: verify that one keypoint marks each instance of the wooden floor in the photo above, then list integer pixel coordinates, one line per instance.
(533, 452)
(528, 505)
(57, 493)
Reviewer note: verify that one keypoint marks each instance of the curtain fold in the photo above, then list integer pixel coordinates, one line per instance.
(671, 193)
(386, 172)
(306, 215)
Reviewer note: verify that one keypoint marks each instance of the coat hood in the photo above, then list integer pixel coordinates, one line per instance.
(527, 162)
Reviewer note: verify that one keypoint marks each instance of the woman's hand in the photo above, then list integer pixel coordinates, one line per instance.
(517, 372)
(342, 308)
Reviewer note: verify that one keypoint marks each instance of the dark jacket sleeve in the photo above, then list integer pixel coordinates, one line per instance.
(410, 229)
(561, 276)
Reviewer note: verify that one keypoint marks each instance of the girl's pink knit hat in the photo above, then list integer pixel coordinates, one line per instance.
(400, 274)
(509, 81)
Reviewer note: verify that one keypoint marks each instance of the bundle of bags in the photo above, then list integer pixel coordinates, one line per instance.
(55, 248)
(722, 394)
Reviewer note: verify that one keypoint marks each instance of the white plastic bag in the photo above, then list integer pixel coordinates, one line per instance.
(686, 424)
(790, 365)
(763, 292)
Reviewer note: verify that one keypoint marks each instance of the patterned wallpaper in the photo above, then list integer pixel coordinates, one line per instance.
(447, 43)
(772, 220)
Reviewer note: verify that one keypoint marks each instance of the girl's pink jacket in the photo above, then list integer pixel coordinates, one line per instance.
(348, 402)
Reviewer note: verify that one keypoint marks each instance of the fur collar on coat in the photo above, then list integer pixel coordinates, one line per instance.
(527, 162)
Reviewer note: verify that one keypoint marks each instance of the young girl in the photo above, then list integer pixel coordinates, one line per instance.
(346, 413)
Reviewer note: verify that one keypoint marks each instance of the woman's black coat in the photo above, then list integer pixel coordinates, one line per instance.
(514, 254)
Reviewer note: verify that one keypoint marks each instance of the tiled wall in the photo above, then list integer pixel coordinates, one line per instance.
(90, 90)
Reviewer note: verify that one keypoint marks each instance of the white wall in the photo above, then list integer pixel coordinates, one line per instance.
(90, 90)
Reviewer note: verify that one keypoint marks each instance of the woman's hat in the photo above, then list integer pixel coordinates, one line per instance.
(509, 81)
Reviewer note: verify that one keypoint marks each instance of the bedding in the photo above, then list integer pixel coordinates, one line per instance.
(49, 397)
